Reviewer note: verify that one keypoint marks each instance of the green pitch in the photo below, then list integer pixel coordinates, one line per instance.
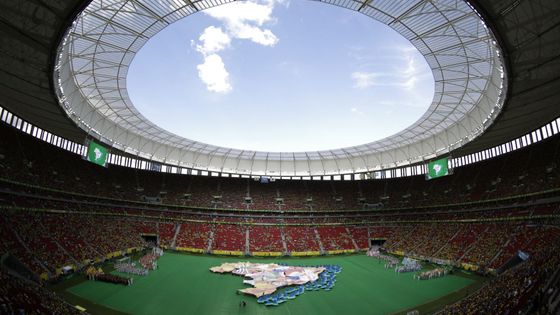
(184, 285)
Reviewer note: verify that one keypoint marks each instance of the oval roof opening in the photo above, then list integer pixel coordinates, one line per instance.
(273, 76)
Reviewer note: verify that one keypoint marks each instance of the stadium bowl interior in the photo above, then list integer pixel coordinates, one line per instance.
(493, 221)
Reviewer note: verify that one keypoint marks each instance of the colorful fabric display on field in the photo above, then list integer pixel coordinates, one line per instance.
(266, 279)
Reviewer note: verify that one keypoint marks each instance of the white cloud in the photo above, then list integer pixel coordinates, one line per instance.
(214, 74)
(255, 34)
(410, 74)
(241, 20)
(396, 69)
(213, 40)
(243, 12)
(406, 77)
(363, 80)
(244, 20)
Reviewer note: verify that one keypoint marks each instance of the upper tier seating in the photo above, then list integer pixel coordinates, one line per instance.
(532, 169)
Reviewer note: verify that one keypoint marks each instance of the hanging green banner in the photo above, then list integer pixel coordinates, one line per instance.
(97, 154)
(438, 168)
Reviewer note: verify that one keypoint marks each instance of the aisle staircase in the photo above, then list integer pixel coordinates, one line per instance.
(446, 243)
(247, 243)
(210, 240)
(31, 254)
(499, 253)
(66, 253)
(284, 244)
(473, 245)
(318, 239)
(177, 231)
(352, 239)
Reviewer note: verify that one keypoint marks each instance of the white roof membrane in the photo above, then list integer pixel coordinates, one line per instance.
(465, 60)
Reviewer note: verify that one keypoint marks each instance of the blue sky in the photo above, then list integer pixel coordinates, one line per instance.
(280, 76)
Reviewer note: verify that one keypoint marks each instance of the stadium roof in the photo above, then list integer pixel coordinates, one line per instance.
(526, 30)
(466, 63)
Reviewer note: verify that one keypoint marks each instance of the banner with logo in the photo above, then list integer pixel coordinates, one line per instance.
(438, 168)
(97, 154)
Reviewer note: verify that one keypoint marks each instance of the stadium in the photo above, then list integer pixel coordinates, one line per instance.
(104, 211)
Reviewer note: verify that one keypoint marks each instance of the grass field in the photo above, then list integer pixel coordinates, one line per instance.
(184, 285)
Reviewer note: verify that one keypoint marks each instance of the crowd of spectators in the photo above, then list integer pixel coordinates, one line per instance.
(301, 239)
(230, 237)
(510, 292)
(433, 238)
(265, 239)
(462, 241)
(12, 245)
(335, 238)
(489, 243)
(45, 242)
(35, 197)
(105, 234)
(524, 171)
(193, 235)
(360, 235)
(63, 211)
(19, 296)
